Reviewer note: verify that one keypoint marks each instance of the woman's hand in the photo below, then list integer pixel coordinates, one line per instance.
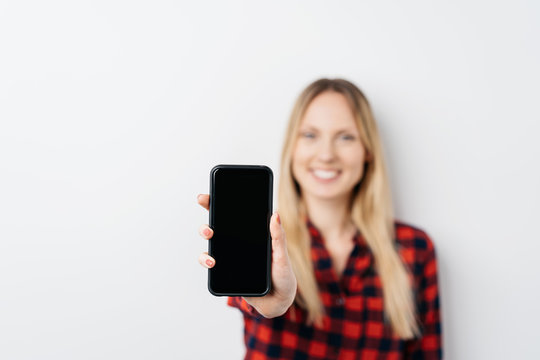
(283, 291)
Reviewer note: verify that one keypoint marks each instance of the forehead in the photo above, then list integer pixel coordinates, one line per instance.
(329, 110)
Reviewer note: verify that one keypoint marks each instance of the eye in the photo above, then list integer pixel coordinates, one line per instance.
(308, 135)
(347, 137)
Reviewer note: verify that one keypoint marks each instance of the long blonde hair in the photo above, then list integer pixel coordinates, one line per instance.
(371, 211)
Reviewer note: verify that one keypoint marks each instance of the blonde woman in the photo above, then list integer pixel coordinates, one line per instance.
(348, 280)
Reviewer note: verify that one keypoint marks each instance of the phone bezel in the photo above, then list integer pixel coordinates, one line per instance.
(269, 240)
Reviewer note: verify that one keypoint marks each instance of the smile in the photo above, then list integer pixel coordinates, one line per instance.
(325, 174)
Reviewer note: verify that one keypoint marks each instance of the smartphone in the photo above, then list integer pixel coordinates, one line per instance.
(240, 211)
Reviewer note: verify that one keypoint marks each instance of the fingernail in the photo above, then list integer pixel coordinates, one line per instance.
(209, 262)
(206, 232)
(198, 196)
(278, 219)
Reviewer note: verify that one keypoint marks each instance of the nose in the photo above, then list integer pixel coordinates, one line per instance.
(326, 151)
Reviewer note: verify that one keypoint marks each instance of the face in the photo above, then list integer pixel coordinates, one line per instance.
(328, 157)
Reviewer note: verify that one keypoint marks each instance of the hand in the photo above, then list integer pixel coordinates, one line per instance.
(283, 291)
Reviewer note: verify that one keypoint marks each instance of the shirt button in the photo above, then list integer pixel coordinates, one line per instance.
(340, 301)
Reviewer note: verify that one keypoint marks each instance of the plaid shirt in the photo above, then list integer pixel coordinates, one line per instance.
(354, 325)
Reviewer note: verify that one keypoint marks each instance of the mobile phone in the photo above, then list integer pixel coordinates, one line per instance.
(240, 211)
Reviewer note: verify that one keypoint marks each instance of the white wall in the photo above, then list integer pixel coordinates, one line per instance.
(113, 112)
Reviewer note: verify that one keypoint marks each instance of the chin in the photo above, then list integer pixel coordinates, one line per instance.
(327, 194)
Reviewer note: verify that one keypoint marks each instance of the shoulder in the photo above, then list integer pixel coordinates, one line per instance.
(413, 242)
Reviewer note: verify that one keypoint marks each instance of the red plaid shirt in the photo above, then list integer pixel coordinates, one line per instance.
(354, 325)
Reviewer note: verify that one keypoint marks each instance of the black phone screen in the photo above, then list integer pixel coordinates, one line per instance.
(240, 211)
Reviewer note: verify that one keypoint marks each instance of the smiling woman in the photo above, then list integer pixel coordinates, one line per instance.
(348, 280)
(329, 156)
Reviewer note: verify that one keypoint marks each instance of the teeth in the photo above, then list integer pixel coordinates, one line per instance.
(324, 174)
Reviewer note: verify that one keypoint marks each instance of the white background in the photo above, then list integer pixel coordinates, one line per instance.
(113, 112)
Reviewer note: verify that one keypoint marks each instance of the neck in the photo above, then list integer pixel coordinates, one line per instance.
(331, 217)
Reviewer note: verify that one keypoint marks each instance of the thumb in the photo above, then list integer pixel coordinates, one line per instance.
(279, 242)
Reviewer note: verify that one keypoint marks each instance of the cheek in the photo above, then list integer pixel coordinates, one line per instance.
(299, 163)
(300, 156)
(355, 160)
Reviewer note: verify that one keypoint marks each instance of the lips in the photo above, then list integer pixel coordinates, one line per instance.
(325, 174)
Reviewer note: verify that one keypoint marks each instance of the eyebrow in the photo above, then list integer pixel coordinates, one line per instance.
(339, 131)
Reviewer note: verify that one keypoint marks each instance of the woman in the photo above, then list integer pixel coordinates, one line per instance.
(348, 281)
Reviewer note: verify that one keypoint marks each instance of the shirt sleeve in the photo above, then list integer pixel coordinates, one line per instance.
(429, 344)
(241, 304)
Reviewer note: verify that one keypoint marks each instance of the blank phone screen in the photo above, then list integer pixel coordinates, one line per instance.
(240, 211)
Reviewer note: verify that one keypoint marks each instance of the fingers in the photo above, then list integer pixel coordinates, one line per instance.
(206, 232)
(279, 242)
(206, 260)
(204, 200)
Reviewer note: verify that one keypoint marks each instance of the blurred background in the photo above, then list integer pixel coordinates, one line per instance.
(112, 114)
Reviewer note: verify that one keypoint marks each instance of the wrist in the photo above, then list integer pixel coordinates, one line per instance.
(275, 311)
(278, 307)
